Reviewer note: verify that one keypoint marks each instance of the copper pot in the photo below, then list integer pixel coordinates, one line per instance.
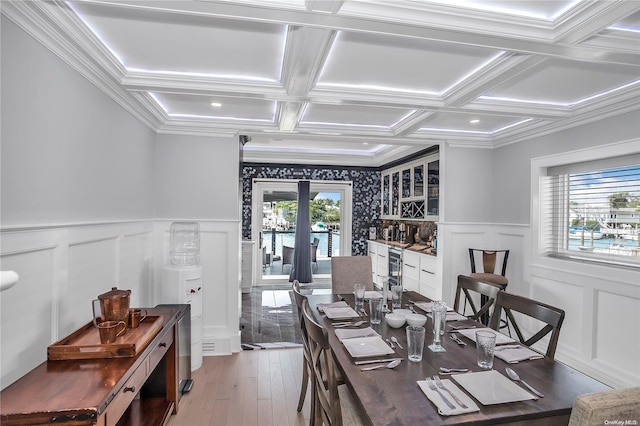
(114, 306)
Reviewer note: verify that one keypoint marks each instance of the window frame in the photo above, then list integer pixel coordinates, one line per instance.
(543, 223)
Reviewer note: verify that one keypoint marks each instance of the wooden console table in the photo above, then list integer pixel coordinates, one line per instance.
(140, 390)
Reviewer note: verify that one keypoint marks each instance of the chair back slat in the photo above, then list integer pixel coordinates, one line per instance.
(552, 316)
(489, 261)
(467, 285)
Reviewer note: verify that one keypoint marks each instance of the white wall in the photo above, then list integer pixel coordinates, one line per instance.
(71, 157)
(602, 304)
(196, 177)
(69, 153)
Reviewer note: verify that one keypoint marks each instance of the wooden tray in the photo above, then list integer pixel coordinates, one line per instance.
(84, 343)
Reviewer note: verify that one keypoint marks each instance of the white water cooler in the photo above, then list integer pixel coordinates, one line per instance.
(183, 285)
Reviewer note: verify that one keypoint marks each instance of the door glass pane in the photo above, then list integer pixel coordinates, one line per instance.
(279, 209)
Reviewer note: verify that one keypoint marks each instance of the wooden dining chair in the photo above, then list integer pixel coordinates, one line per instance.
(330, 406)
(467, 292)
(306, 364)
(551, 316)
(349, 270)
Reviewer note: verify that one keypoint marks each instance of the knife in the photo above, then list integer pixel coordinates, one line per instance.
(373, 361)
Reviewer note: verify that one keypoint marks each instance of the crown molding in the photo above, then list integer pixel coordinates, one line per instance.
(590, 19)
(596, 114)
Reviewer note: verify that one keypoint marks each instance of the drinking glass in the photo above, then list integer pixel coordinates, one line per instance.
(396, 296)
(439, 304)
(358, 291)
(415, 343)
(375, 310)
(438, 312)
(485, 346)
(385, 294)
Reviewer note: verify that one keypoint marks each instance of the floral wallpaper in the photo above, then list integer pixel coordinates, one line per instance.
(366, 194)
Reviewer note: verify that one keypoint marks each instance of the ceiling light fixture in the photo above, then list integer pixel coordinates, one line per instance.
(216, 104)
(474, 121)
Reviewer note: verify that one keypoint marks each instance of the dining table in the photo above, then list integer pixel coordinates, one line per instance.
(393, 396)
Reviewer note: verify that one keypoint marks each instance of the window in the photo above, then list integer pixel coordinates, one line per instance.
(591, 211)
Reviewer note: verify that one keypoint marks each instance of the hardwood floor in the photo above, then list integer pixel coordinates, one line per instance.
(258, 387)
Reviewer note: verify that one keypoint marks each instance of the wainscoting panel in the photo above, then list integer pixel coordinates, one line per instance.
(62, 268)
(616, 346)
(135, 267)
(92, 271)
(26, 312)
(599, 336)
(568, 297)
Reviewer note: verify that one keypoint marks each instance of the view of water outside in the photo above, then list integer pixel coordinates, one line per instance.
(288, 239)
(602, 243)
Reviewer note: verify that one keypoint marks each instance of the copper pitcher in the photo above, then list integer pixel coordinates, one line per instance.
(114, 306)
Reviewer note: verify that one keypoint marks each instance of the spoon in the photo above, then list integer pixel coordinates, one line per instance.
(394, 340)
(514, 376)
(390, 343)
(392, 364)
(453, 370)
(355, 324)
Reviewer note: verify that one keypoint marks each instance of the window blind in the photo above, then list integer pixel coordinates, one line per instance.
(591, 211)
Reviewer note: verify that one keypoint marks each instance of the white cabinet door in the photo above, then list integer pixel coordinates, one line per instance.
(379, 262)
(411, 270)
(430, 285)
(373, 254)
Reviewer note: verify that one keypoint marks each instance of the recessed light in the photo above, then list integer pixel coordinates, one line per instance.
(474, 121)
(216, 104)
(365, 143)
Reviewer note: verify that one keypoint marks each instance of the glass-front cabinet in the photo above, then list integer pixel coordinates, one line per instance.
(386, 190)
(411, 191)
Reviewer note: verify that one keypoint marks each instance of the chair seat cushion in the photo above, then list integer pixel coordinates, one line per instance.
(491, 279)
(600, 407)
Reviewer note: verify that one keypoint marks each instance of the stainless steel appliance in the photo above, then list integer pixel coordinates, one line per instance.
(395, 266)
(185, 382)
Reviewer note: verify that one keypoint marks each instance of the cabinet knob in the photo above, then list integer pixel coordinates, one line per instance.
(163, 345)
(130, 389)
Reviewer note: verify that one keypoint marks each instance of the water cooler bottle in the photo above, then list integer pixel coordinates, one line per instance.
(182, 280)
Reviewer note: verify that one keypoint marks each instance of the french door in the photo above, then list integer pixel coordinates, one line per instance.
(274, 205)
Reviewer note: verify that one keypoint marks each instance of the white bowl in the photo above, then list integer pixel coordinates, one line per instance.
(416, 320)
(395, 320)
(403, 312)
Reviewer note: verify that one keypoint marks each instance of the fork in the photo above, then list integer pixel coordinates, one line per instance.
(456, 339)
(433, 387)
(441, 385)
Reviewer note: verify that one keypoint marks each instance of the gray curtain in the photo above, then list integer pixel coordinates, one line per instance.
(301, 268)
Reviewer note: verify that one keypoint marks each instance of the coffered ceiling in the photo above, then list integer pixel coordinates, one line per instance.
(351, 82)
